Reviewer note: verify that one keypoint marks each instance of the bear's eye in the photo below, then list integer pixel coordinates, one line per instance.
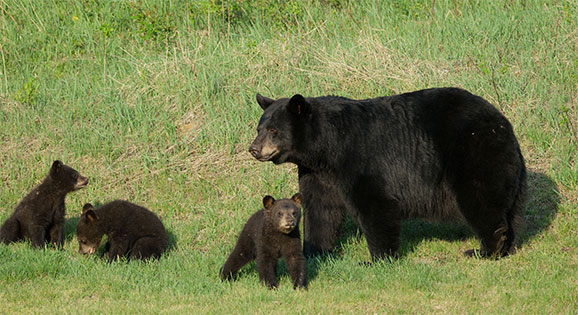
(280, 214)
(83, 241)
(272, 130)
(74, 176)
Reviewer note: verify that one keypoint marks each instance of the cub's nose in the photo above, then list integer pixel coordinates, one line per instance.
(254, 151)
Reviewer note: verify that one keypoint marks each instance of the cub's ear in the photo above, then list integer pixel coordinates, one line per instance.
(56, 166)
(297, 198)
(298, 105)
(91, 216)
(86, 207)
(263, 101)
(268, 202)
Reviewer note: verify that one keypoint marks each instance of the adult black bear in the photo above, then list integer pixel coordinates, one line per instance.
(39, 217)
(269, 234)
(133, 231)
(439, 153)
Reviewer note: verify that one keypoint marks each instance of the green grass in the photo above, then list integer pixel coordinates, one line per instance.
(154, 102)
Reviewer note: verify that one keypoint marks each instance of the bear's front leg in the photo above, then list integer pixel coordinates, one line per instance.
(37, 235)
(266, 265)
(57, 234)
(297, 266)
(117, 248)
(323, 212)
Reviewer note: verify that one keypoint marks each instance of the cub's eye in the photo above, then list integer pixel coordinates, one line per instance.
(272, 130)
(280, 214)
(83, 241)
(74, 176)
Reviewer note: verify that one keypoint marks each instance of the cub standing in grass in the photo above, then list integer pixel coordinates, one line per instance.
(39, 217)
(269, 234)
(133, 231)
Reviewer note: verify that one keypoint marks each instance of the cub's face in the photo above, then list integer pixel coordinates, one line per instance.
(87, 231)
(277, 127)
(283, 214)
(66, 177)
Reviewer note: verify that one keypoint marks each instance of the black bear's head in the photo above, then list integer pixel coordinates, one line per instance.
(88, 231)
(66, 178)
(283, 214)
(281, 122)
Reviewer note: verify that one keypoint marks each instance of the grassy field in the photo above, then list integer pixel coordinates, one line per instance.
(154, 101)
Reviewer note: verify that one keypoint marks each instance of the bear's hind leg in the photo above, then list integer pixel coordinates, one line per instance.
(148, 247)
(10, 231)
(494, 222)
(493, 245)
(490, 184)
(242, 254)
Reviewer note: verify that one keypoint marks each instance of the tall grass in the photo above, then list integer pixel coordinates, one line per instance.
(154, 102)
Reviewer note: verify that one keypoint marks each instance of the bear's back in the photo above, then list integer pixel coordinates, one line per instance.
(126, 217)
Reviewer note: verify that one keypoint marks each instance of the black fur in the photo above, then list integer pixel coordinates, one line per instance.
(133, 231)
(39, 217)
(438, 153)
(269, 234)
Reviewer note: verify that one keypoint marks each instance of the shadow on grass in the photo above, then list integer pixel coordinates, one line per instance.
(542, 199)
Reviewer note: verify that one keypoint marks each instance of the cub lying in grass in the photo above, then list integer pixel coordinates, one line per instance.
(133, 232)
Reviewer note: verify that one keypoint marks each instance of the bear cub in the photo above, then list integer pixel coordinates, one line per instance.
(39, 217)
(269, 234)
(133, 231)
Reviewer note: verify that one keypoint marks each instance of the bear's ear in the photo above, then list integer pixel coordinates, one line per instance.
(86, 207)
(56, 166)
(297, 198)
(91, 216)
(298, 105)
(268, 202)
(263, 101)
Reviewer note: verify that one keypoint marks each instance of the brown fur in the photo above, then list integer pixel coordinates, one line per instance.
(39, 217)
(270, 234)
(133, 231)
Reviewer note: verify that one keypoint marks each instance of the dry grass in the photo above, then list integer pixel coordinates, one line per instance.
(165, 121)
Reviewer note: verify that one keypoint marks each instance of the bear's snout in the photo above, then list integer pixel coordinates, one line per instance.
(84, 250)
(255, 152)
(81, 182)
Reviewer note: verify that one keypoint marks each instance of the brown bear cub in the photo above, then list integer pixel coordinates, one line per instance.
(39, 217)
(270, 234)
(133, 232)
